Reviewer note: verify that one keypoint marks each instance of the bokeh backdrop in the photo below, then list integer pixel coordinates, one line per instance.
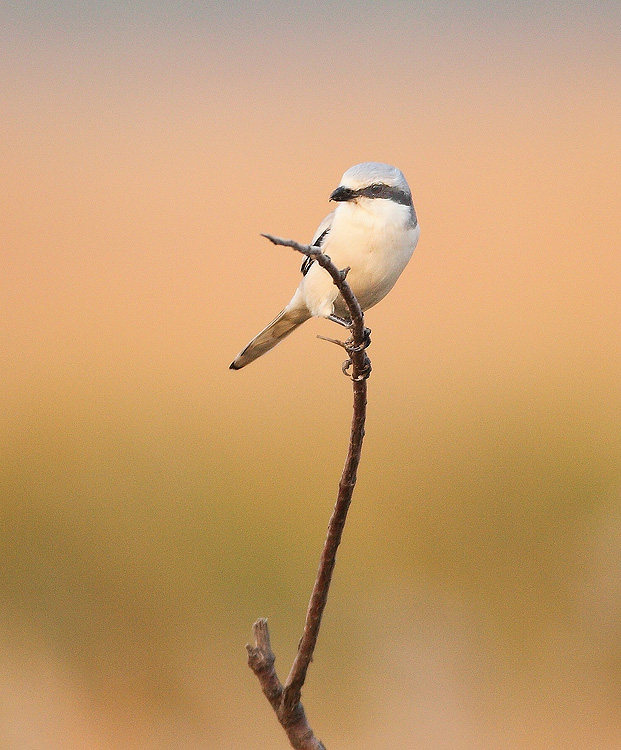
(154, 503)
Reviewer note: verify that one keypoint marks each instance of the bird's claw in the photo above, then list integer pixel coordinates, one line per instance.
(366, 341)
(362, 374)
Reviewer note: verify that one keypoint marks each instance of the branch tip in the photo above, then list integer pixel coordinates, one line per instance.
(262, 633)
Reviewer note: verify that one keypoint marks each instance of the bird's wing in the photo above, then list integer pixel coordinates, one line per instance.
(317, 241)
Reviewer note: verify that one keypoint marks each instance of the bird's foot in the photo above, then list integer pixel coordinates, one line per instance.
(363, 372)
(352, 349)
(364, 369)
(366, 341)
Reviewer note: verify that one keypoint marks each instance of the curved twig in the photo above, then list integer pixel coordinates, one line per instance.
(285, 699)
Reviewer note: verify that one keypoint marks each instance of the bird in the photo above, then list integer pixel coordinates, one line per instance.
(372, 231)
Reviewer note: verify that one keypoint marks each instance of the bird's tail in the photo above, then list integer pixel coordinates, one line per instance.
(283, 324)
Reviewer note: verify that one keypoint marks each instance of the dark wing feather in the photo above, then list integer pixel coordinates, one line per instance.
(308, 262)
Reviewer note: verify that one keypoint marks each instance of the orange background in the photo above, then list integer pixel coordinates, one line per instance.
(154, 504)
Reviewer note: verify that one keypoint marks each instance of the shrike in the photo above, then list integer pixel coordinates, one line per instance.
(373, 231)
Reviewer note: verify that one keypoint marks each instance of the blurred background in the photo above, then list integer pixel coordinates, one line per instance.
(154, 503)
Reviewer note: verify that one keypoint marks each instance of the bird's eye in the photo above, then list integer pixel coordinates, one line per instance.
(376, 189)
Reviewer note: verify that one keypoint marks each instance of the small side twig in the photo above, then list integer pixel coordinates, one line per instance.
(342, 344)
(286, 699)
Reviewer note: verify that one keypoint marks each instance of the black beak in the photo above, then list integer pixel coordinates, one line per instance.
(342, 194)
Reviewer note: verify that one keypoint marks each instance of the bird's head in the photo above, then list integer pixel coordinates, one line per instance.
(373, 180)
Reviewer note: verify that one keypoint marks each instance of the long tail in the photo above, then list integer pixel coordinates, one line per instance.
(283, 324)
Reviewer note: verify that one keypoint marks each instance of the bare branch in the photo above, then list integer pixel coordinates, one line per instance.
(286, 700)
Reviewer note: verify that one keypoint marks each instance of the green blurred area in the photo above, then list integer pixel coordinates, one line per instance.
(138, 545)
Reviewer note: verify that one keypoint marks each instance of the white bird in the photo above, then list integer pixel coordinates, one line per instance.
(373, 231)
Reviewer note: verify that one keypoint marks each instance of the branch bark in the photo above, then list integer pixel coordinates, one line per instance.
(286, 699)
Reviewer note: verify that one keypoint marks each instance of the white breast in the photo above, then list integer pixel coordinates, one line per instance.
(375, 239)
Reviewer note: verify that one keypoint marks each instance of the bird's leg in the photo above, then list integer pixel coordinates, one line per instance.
(341, 321)
(348, 324)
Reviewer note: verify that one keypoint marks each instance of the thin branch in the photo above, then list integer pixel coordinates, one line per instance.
(286, 700)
